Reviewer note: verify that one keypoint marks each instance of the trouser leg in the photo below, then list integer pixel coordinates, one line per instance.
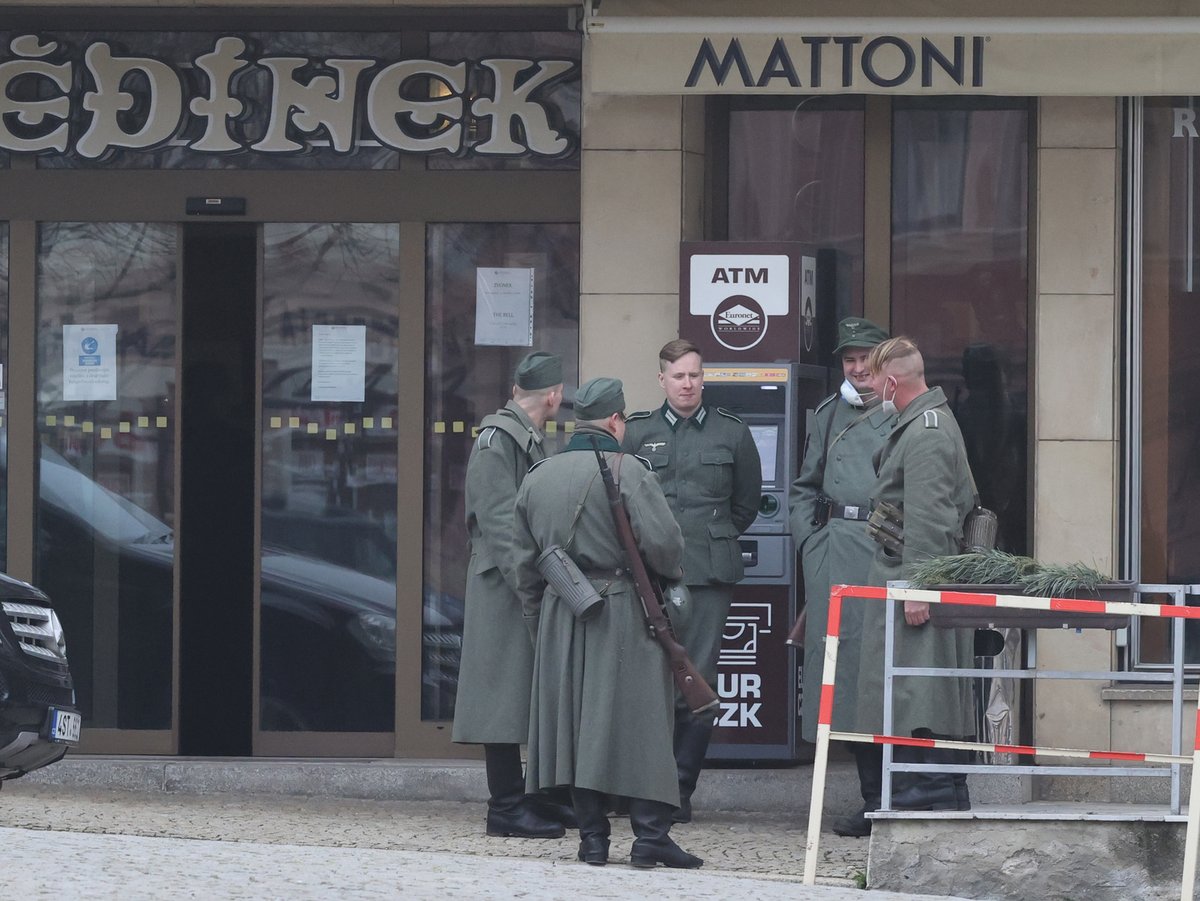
(509, 809)
(593, 825)
(653, 845)
(692, 734)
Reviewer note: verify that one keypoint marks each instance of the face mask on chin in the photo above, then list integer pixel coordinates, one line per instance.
(851, 396)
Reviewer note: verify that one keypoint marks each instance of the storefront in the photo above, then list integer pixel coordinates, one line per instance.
(278, 229)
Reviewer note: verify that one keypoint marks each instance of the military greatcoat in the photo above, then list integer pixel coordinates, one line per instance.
(839, 447)
(923, 470)
(710, 472)
(492, 706)
(601, 714)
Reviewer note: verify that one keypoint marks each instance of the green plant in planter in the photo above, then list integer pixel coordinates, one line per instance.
(1001, 568)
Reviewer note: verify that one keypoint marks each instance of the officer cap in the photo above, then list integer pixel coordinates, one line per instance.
(599, 399)
(539, 370)
(856, 332)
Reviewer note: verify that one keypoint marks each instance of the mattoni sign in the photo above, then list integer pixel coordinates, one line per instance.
(97, 99)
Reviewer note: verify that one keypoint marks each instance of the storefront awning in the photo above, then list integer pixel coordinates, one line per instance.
(631, 54)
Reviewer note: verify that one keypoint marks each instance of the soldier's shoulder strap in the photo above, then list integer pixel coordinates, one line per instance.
(932, 420)
(539, 463)
(825, 403)
(728, 415)
(497, 422)
(643, 461)
(640, 414)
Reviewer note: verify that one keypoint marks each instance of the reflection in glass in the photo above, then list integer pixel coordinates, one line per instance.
(463, 383)
(1170, 358)
(3, 393)
(960, 280)
(105, 547)
(328, 637)
(797, 175)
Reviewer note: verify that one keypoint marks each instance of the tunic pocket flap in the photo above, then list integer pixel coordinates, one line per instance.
(658, 461)
(722, 530)
(716, 456)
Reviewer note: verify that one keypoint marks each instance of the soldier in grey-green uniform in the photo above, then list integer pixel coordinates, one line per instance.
(922, 471)
(828, 506)
(602, 693)
(492, 705)
(708, 464)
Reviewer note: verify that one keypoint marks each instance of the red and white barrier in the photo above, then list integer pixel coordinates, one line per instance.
(825, 711)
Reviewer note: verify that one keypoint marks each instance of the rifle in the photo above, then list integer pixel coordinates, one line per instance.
(698, 693)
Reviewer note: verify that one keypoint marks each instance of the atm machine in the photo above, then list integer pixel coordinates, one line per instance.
(758, 676)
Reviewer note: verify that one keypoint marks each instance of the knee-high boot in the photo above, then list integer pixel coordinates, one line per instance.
(869, 760)
(692, 734)
(922, 791)
(593, 825)
(509, 809)
(651, 822)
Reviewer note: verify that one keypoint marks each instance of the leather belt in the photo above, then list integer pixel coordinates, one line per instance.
(858, 512)
(605, 575)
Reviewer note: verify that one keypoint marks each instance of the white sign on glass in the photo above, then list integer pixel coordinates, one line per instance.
(90, 362)
(504, 307)
(339, 362)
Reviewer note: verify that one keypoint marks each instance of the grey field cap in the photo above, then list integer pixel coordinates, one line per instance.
(539, 370)
(599, 398)
(855, 331)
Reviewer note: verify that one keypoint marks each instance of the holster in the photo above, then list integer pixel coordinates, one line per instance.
(569, 583)
(885, 525)
(823, 510)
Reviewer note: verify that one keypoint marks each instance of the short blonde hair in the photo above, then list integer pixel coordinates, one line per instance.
(893, 349)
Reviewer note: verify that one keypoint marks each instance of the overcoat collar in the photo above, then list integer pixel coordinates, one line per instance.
(582, 441)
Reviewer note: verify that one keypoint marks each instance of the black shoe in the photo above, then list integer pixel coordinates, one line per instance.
(594, 850)
(683, 813)
(646, 854)
(522, 822)
(856, 825)
(962, 796)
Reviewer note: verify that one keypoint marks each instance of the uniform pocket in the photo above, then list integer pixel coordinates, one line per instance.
(717, 465)
(658, 461)
(725, 551)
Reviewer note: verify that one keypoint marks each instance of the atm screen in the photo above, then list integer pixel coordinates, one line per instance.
(766, 437)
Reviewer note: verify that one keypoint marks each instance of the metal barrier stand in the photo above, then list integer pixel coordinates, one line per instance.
(891, 672)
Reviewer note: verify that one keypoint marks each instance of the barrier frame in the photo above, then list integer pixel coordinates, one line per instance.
(892, 593)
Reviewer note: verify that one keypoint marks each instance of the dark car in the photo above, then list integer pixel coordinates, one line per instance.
(38, 717)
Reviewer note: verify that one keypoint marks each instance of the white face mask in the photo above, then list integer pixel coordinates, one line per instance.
(888, 405)
(851, 396)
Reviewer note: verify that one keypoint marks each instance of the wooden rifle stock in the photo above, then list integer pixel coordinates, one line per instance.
(698, 693)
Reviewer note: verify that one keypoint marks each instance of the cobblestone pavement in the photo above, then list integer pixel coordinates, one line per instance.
(297, 847)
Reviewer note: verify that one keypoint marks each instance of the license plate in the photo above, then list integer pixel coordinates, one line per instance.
(64, 726)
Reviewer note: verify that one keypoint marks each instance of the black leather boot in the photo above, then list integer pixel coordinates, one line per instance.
(962, 795)
(593, 825)
(692, 734)
(651, 822)
(869, 760)
(555, 804)
(510, 811)
(922, 791)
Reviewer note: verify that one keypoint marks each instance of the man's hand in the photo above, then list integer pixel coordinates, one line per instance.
(916, 613)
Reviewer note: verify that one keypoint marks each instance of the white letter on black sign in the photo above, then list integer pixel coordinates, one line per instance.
(219, 107)
(388, 108)
(324, 101)
(34, 112)
(512, 103)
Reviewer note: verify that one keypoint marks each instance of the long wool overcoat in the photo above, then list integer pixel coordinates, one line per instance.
(601, 707)
(923, 470)
(838, 463)
(492, 704)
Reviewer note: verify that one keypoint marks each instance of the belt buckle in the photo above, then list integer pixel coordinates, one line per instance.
(849, 512)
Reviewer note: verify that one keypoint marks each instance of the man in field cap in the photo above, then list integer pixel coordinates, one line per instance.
(601, 717)
(492, 707)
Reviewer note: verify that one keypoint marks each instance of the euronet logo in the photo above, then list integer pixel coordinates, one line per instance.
(739, 322)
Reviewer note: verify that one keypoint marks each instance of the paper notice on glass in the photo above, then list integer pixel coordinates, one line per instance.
(89, 362)
(339, 362)
(504, 307)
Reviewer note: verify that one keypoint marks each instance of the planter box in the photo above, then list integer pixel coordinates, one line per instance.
(954, 616)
